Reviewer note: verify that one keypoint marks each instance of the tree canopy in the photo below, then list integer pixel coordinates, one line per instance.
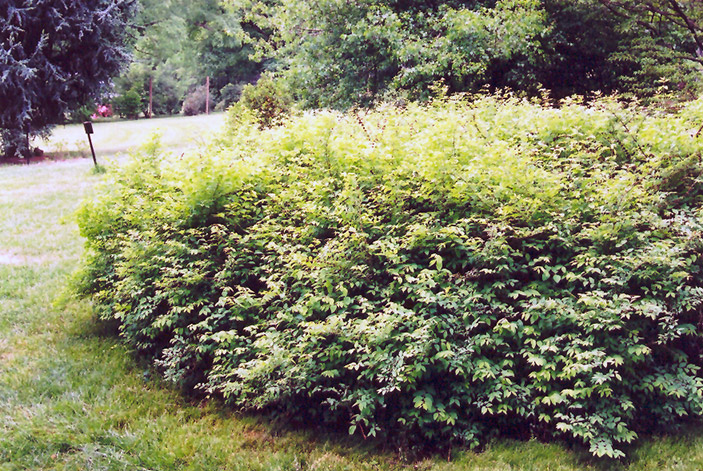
(54, 56)
(58, 55)
(179, 43)
(666, 40)
(675, 25)
(340, 54)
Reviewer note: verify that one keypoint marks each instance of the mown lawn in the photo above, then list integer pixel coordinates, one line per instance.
(71, 398)
(177, 133)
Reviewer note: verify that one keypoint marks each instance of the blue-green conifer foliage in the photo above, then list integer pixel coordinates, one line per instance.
(54, 56)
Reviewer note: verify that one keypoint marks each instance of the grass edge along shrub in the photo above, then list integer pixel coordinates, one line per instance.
(442, 273)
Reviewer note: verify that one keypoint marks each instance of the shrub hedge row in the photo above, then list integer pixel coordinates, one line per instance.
(430, 274)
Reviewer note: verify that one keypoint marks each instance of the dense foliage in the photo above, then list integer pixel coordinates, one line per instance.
(178, 44)
(436, 274)
(673, 25)
(665, 41)
(339, 54)
(129, 104)
(198, 101)
(55, 55)
(269, 102)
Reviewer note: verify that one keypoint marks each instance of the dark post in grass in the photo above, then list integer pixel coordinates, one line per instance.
(88, 126)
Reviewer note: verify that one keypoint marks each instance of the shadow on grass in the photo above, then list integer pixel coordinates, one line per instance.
(275, 429)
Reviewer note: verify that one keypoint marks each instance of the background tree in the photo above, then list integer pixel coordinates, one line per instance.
(158, 58)
(666, 40)
(215, 45)
(54, 56)
(179, 43)
(581, 40)
(341, 54)
(338, 53)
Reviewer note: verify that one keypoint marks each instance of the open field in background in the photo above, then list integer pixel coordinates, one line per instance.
(72, 398)
(113, 137)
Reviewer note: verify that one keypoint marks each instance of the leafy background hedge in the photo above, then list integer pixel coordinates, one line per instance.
(431, 274)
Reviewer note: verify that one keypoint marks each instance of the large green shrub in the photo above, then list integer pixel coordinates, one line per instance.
(129, 104)
(267, 99)
(434, 274)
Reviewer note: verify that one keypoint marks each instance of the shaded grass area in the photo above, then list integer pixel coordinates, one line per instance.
(72, 398)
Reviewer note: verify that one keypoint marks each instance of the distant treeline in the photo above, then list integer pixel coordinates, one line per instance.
(340, 54)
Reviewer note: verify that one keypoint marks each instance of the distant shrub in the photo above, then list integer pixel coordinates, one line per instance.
(167, 95)
(129, 104)
(82, 114)
(194, 102)
(229, 94)
(434, 275)
(163, 83)
(267, 99)
(102, 111)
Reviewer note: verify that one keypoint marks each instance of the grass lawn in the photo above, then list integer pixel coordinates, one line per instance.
(177, 133)
(72, 398)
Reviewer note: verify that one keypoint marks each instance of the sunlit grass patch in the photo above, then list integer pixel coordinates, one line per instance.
(178, 133)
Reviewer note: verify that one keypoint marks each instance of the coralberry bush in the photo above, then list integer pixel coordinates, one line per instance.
(433, 274)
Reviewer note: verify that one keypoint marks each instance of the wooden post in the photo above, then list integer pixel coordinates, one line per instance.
(88, 126)
(207, 95)
(151, 96)
(92, 151)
